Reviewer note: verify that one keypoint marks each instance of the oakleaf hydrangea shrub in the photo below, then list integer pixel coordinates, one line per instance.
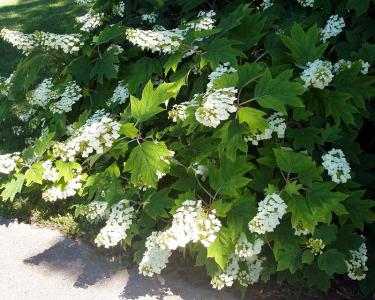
(226, 130)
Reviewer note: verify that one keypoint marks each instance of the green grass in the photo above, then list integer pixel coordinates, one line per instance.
(29, 15)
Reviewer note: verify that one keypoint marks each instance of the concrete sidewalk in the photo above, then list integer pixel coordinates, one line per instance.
(42, 264)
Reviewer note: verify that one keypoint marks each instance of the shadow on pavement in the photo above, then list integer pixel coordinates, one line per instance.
(77, 259)
(88, 268)
(5, 222)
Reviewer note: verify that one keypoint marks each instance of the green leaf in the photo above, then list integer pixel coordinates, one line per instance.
(242, 210)
(347, 240)
(305, 138)
(12, 187)
(332, 262)
(292, 188)
(360, 210)
(323, 202)
(144, 162)
(300, 163)
(303, 45)
(231, 135)
(229, 177)
(119, 149)
(27, 72)
(286, 249)
(226, 80)
(221, 248)
(253, 118)
(109, 33)
(113, 170)
(106, 66)
(134, 78)
(43, 143)
(234, 18)
(221, 207)
(358, 86)
(34, 174)
(307, 257)
(360, 7)
(129, 130)
(148, 106)
(276, 93)
(173, 61)
(327, 233)
(104, 187)
(301, 213)
(330, 134)
(67, 170)
(250, 31)
(248, 73)
(81, 68)
(157, 203)
(337, 105)
(220, 50)
(316, 278)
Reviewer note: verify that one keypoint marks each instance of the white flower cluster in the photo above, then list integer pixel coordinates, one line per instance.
(245, 249)
(96, 211)
(333, 27)
(318, 74)
(205, 21)
(22, 41)
(276, 124)
(120, 94)
(157, 254)
(270, 211)
(306, 3)
(179, 111)
(343, 65)
(117, 225)
(266, 4)
(299, 229)
(218, 72)
(243, 266)
(166, 41)
(67, 43)
(59, 192)
(191, 223)
(8, 162)
(23, 113)
(71, 94)
(200, 170)
(336, 165)
(5, 84)
(316, 246)
(365, 66)
(83, 1)
(17, 130)
(90, 20)
(149, 18)
(158, 39)
(357, 264)
(50, 173)
(118, 50)
(119, 9)
(98, 132)
(217, 105)
(42, 94)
